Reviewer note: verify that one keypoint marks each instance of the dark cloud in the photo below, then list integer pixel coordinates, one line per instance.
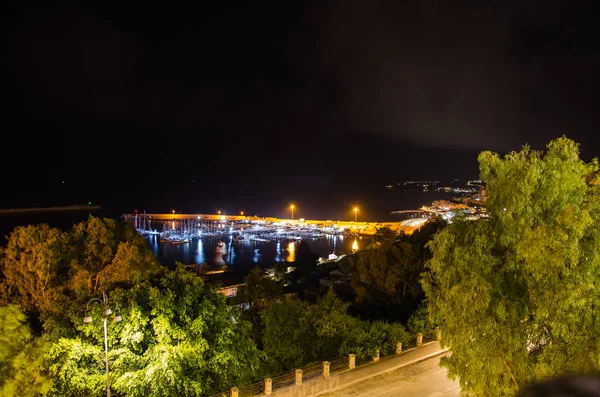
(294, 93)
(71, 63)
(464, 74)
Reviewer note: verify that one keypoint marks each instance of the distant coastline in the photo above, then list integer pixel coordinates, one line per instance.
(84, 207)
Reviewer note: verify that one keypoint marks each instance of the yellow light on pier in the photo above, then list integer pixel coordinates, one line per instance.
(292, 207)
(354, 246)
(355, 213)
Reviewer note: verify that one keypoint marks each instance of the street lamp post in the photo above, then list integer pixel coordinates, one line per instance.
(105, 313)
(292, 207)
(355, 213)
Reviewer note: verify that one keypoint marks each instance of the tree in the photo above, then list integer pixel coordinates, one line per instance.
(287, 335)
(419, 321)
(256, 294)
(21, 356)
(297, 333)
(516, 295)
(35, 267)
(49, 272)
(305, 262)
(108, 252)
(380, 274)
(177, 337)
(258, 290)
(331, 325)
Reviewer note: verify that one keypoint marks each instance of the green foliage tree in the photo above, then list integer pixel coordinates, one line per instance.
(46, 270)
(297, 333)
(386, 275)
(257, 293)
(108, 252)
(35, 267)
(21, 356)
(177, 337)
(287, 335)
(419, 321)
(377, 271)
(517, 295)
(258, 290)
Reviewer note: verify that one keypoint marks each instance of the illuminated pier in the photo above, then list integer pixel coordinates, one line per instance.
(365, 228)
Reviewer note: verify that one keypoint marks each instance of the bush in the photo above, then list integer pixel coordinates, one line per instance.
(419, 321)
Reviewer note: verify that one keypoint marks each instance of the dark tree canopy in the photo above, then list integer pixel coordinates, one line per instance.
(386, 275)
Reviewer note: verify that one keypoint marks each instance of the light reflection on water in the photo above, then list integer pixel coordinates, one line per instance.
(291, 249)
(246, 254)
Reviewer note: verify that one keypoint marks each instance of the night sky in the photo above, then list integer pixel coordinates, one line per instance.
(200, 108)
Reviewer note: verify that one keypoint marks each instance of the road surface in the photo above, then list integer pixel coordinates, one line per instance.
(425, 379)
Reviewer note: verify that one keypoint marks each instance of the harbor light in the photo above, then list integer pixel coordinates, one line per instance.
(355, 213)
(292, 207)
(354, 246)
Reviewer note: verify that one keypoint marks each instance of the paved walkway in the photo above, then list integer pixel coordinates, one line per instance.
(369, 376)
(391, 363)
(424, 379)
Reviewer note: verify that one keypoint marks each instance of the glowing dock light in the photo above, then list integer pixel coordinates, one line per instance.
(354, 246)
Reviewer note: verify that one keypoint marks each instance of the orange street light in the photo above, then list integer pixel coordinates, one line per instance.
(173, 212)
(355, 213)
(292, 207)
(242, 213)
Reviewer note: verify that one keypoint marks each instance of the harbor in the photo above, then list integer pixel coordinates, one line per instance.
(242, 241)
(181, 228)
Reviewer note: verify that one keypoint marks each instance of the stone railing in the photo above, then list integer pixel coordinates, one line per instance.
(322, 370)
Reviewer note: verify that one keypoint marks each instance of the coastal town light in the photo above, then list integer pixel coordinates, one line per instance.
(355, 213)
(292, 207)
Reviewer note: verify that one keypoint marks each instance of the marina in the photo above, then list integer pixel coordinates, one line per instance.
(241, 243)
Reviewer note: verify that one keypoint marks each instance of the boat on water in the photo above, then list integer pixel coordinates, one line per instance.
(220, 248)
(260, 239)
(184, 241)
(174, 240)
(332, 258)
